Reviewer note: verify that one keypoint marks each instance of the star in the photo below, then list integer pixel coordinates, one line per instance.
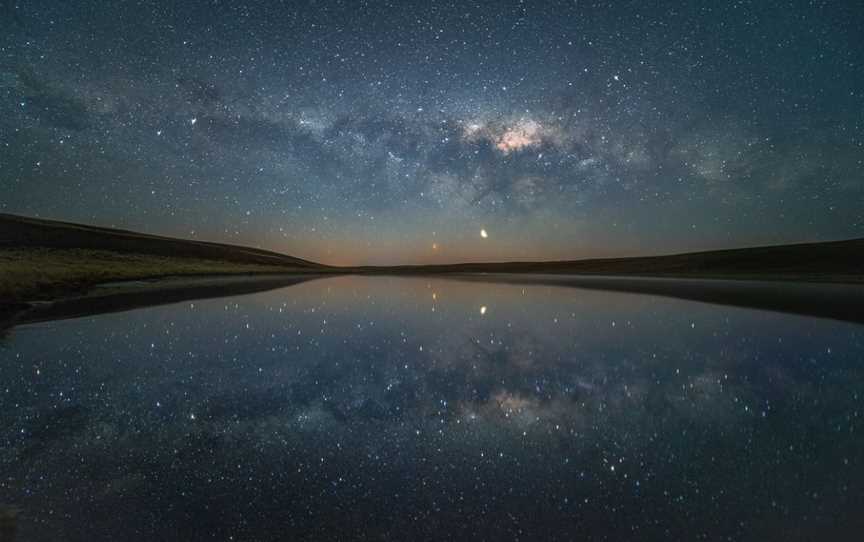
(579, 144)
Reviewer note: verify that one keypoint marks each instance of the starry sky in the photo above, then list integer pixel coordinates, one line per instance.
(391, 132)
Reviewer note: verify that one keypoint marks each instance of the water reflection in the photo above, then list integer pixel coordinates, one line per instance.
(406, 407)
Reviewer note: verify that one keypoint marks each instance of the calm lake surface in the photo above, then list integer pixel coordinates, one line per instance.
(414, 408)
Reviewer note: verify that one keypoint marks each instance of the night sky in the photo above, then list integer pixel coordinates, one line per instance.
(390, 132)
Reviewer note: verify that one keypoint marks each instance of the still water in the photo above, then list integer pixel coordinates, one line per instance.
(413, 408)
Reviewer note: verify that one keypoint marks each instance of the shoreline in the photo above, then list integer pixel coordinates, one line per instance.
(817, 296)
(55, 262)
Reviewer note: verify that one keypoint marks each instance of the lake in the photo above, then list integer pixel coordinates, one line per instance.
(430, 408)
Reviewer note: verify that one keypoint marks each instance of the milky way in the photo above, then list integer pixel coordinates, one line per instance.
(376, 132)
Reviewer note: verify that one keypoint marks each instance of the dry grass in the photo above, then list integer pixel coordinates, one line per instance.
(43, 273)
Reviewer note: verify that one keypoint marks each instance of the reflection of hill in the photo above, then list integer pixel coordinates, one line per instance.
(836, 301)
(133, 295)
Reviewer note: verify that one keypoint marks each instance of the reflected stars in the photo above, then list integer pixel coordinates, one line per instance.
(572, 410)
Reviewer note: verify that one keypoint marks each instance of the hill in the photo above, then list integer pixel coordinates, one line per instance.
(19, 231)
(44, 259)
(833, 261)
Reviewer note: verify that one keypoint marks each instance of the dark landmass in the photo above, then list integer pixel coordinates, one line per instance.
(18, 231)
(833, 261)
(39, 274)
(42, 260)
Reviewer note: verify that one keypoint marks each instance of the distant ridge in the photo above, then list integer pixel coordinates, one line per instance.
(20, 231)
(840, 261)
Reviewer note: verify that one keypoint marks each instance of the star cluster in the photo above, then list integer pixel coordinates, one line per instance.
(390, 132)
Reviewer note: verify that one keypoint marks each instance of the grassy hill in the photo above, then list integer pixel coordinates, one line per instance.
(41, 259)
(19, 231)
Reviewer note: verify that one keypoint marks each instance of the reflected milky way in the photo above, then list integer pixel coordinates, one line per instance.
(410, 407)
